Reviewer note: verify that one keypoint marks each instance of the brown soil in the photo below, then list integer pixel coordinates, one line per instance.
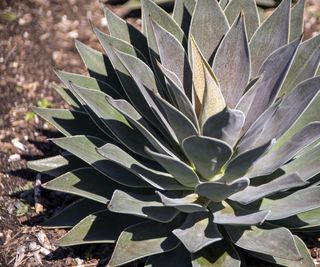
(35, 38)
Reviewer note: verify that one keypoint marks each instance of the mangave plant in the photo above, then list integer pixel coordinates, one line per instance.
(194, 140)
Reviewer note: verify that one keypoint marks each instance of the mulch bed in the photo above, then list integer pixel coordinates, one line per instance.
(36, 37)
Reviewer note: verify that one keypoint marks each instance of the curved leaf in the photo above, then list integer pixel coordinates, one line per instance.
(182, 13)
(208, 26)
(146, 206)
(207, 154)
(198, 231)
(296, 21)
(231, 64)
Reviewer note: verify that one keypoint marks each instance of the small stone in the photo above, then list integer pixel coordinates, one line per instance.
(14, 157)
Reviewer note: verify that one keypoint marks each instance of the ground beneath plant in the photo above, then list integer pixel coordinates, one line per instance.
(36, 37)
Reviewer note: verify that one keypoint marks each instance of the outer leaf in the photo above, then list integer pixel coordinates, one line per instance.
(73, 213)
(281, 116)
(189, 204)
(299, 201)
(174, 258)
(98, 65)
(250, 10)
(182, 13)
(70, 122)
(56, 165)
(301, 221)
(140, 124)
(276, 158)
(306, 260)
(141, 240)
(219, 254)
(272, 34)
(146, 206)
(85, 182)
(304, 65)
(296, 21)
(197, 232)
(208, 12)
(88, 82)
(123, 30)
(208, 155)
(85, 148)
(157, 179)
(306, 165)
(228, 215)
(225, 126)
(264, 91)
(217, 191)
(231, 64)
(252, 193)
(67, 96)
(173, 57)
(113, 120)
(177, 168)
(100, 227)
(276, 242)
(151, 11)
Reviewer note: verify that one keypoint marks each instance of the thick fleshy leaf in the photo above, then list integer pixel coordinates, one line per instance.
(304, 65)
(56, 165)
(70, 122)
(276, 158)
(98, 65)
(67, 96)
(241, 164)
(151, 11)
(84, 182)
(301, 221)
(140, 124)
(208, 26)
(141, 240)
(73, 213)
(100, 227)
(173, 57)
(296, 21)
(300, 201)
(306, 260)
(306, 165)
(264, 92)
(88, 82)
(272, 34)
(182, 172)
(277, 242)
(113, 120)
(281, 116)
(182, 13)
(146, 82)
(219, 254)
(225, 126)
(198, 231)
(217, 191)
(208, 97)
(145, 206)
(207, 154)
(156, 178)
(178, 96)
(181, 125)
(189, 204)
(174, 258)
(250, 10)
(232, 215)
(231, 64)
(253, 193)
(123, 30)
(85, 148)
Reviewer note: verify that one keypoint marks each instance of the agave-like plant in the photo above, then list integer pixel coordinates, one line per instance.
(194, 140)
